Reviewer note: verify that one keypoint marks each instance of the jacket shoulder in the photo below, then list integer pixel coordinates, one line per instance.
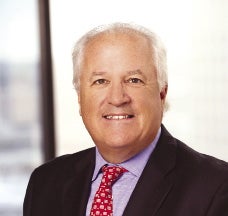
(193, 163)
(66, 164)
(204, 171)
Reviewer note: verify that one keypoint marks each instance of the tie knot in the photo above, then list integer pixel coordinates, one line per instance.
(111, 174)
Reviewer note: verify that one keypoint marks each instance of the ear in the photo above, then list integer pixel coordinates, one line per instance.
(163, 92)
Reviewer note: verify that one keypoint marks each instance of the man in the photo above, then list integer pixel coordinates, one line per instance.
(121, 81)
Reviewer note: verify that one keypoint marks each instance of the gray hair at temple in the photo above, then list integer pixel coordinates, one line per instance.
(158, 49)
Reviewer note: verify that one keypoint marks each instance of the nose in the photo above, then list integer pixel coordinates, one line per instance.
(117, 95)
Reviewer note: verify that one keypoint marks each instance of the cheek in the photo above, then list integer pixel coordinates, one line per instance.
(90, 103)
(149, 104)
(146, 97)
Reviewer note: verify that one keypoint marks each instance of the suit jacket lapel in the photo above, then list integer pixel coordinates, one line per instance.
(77, 189)
(156, 180)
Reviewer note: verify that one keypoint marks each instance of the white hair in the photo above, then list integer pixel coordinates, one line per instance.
(158, 49)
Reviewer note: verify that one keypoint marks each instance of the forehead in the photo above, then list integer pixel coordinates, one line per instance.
(129, 40)
(118, 52)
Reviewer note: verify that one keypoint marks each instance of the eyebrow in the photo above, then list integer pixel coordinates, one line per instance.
(98, 73)
(95, 74)
(134, 72)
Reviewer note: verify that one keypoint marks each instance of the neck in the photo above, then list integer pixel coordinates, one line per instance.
(118, 156)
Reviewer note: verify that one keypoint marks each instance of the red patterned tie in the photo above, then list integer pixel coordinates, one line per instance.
(102, 203)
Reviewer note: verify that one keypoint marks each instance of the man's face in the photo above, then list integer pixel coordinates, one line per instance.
(119, 96)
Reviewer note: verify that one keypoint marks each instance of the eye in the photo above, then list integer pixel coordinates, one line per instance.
(100, 82)
(135, 81)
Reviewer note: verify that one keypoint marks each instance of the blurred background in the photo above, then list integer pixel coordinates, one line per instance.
(39, 117)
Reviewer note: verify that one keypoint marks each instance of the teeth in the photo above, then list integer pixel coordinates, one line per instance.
(120, 117)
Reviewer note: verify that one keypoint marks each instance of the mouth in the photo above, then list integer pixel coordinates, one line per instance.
(118, 117)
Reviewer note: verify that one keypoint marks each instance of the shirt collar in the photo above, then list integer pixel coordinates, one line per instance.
(134, 165)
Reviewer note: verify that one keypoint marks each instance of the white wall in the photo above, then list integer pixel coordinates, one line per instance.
(196, 36)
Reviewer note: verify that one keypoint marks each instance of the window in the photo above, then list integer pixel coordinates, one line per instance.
(20, 127)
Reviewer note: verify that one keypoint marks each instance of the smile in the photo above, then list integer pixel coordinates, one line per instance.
(118, 117)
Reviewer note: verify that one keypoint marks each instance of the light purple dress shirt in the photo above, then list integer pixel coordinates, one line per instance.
(123, 188)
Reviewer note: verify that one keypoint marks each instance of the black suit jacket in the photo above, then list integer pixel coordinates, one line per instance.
(177, 181)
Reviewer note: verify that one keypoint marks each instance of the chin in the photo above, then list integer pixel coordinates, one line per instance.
(119, 143)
